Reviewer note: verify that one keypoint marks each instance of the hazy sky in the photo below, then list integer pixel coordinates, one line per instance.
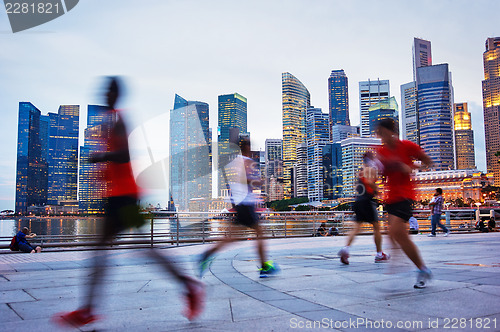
(202, 49)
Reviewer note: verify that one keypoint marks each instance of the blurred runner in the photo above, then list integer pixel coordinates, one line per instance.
(122, 212)
(244, 202)
(365, 208)
(398, 159)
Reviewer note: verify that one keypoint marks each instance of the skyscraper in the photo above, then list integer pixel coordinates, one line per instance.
(190, 166)
(317, 136)
(296, 100)
(385, 109)
(338, 98)
(300, 172)
(63, 154)
(332, 171)
(232, 118)
(435, 103)
(32, 165)
(464, 137)
(91, 184)
(410, 122)
(409, 119)
(352, 160)
(491, 106)
(370, 93)
(274, 169)
(422, 55)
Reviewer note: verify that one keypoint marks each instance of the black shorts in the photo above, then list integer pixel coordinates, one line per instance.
(400, 209)
(365, 209)
(122, 212)
(246, 215)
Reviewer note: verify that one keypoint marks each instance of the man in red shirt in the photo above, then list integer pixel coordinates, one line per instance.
(398, 158)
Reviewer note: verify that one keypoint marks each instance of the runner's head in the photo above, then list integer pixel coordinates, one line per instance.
(113, 91)
(387, 130)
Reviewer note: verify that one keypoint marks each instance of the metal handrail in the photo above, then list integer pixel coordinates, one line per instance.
(202, 227)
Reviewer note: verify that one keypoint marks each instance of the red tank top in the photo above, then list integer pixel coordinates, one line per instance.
(119, 176)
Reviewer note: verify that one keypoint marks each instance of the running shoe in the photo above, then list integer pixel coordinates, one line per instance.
(344, 256)
(423, 277)
(195, 298)
(269, 269)
(380, 259)
(204, 262)
(447, 233)
(75, 318)
(431, 235)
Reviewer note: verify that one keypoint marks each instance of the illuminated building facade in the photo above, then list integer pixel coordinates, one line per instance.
(232, 118)
(435, 102)
(317, 136)
(370, 93)
(295, 100)
(352, 160)
(300, 172)
(385, 109)
(465, 184)
(273, 175)
(409, 118)
(422, 55)
(91, 184)
(63, 154)
(491, 106)
(464, 137)
(338, 98)
(190, 170)
(332, 171)
(32, 155)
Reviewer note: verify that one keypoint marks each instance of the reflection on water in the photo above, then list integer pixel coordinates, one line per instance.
(188, 228)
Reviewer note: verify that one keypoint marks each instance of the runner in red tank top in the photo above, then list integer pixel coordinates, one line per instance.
(122, 211)
(398, 159)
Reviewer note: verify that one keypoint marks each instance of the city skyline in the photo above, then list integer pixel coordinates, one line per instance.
(251, 63)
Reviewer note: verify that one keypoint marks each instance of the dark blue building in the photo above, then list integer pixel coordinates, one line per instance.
(332, 171)
(338, 98)
(32, 165)
(63, 154)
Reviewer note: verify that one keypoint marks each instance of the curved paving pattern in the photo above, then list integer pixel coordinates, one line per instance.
(313, 287)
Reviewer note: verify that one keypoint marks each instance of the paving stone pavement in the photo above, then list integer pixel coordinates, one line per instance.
(313, 291)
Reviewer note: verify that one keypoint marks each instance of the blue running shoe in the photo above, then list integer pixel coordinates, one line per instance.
(269, 269)
(204, 262)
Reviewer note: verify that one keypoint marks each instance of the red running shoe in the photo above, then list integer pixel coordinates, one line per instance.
(383, 258)
(75, 318)
(195, 297)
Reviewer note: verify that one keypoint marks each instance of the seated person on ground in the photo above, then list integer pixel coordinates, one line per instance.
(23, 244)
(321, 230)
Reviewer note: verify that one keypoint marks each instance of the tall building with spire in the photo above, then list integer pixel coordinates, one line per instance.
(491, 106)
(296, 100)
(338, 98)
(464, 137)
(190, 169)
(370, 93)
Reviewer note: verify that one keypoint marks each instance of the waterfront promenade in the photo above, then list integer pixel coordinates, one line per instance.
(313, 287)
